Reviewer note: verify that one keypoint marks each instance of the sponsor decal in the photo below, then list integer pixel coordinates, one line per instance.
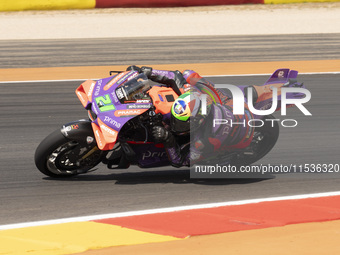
(99, 141)
(170, 75)
(114, 80)
(115, 99)
(180, 106)
(89, 139)
(138, 106)
(281, 74)
(194, 155)
(149, 154)
(99, 84)
(112, 122)
(89, 94)
(95, 109)
(143, 101)
(124, 78)
(129, 112)
(81, 97)
(109, 130)
(133, 76)
(69, 128)
(119, 93)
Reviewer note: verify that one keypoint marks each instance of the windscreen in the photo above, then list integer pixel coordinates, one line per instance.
(133, 89)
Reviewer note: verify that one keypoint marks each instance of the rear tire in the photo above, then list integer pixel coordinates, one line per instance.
(264, 139)
(56, 156)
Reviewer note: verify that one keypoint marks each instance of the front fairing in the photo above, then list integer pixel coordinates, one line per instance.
(107, 111)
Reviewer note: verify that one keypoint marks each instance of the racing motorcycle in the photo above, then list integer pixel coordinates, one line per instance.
(122, 109)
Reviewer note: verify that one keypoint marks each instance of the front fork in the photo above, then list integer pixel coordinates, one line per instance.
(81, 132)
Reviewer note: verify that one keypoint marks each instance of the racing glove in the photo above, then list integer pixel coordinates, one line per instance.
(160, 134)
(144, 69)
(175, 154)
(173, 79)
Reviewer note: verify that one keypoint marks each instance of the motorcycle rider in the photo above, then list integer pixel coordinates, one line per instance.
(207, 138)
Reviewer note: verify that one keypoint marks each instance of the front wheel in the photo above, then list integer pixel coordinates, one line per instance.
(58, 156)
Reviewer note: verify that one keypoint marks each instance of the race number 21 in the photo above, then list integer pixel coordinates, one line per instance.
(105, 103)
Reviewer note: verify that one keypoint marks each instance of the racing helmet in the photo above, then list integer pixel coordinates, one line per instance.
(189, 111)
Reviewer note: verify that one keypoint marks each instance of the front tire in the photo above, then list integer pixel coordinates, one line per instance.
(57, 156)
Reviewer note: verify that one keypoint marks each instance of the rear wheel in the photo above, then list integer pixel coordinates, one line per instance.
(264, 139)
(57, 156)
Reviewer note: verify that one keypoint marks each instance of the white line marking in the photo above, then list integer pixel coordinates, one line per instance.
(222, 75)
(165, 210)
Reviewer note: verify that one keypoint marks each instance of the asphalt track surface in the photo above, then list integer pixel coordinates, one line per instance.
(167, 50)
(30, 111)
